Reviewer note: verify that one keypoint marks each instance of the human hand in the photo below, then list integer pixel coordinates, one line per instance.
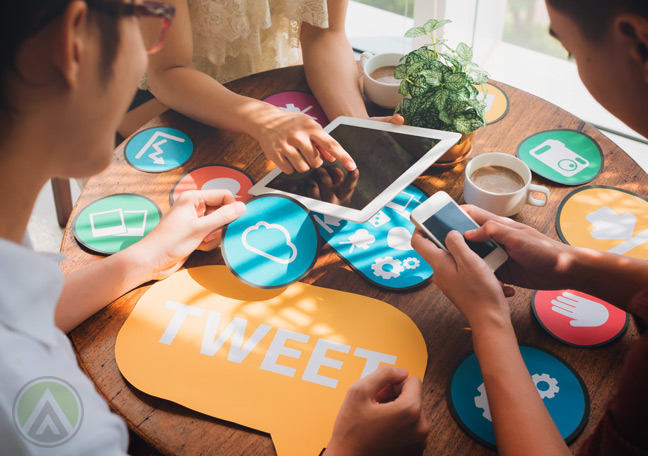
(396, 119)
(583, 312)
(194, 223)
(535, 261)
(296, 142)
(381, 415)
(331, 185)
(464, 278)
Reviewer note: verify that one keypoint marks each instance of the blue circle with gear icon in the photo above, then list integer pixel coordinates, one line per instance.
(273, 244)
(562, 390)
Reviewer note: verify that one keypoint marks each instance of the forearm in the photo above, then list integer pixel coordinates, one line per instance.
(332, 73)
(202, 98)
(521, 421)
(90, 289)
(613, 278)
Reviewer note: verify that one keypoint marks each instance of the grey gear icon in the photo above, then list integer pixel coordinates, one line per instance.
(552, 382)
(379, 268)
(481, 402)
(411, 263)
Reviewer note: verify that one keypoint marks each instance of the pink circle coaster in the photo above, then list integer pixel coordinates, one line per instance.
(294, 101)
(578, 319)
(214, 177)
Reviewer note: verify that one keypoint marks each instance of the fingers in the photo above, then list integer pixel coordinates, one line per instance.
(396, 119)
(282, 162)
(212, 198)
(296, 159)
(491, 229)
(221, 216)
(308, 151)
(567, 301)
(410, 404)
(482, 216)
(459, 249)
(562, 311)
(373, 383)
(325, 185)
(326, 143)
(428, 250)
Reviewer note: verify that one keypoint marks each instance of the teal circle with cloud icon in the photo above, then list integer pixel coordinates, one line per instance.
(273, 244)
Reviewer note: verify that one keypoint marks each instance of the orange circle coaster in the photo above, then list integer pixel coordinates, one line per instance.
(605, 218)
(497, 103)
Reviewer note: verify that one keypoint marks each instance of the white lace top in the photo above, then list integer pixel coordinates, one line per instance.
(236, 38)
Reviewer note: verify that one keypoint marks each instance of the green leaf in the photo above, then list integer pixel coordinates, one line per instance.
(400, 72)
(415, 31)
(439, 99)
(433, 77)
(450, 59)
(478, 76)
(404, 88)
(456, 81)
(419, 86)
(432, 25)
(464, 52)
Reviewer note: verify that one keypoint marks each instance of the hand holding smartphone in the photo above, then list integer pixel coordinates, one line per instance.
(440, 214)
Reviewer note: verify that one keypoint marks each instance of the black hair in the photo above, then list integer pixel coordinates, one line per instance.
(22, 19)
(594, 17)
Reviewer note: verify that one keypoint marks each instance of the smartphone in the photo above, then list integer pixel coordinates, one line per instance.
(439, 215)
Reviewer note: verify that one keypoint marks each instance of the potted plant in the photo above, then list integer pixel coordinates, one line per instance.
(438, 88)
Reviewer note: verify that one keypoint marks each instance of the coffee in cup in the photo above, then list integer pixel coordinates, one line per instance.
(378, 82)
(501, 184)
(497, 179)
(385, 74)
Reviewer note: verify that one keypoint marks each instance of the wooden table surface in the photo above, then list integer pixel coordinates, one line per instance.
(173, 429)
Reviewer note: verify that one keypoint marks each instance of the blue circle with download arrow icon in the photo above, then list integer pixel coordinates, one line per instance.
(273, 244)
(158, 149)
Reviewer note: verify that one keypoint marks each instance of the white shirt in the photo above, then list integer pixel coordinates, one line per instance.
(47, 405)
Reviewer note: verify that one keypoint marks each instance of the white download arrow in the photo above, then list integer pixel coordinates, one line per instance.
(155, 156)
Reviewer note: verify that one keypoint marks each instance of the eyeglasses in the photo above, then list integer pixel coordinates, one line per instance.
(154, 18)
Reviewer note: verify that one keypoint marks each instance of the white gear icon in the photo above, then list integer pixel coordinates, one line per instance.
(411, 263)
(481, 402)
(379, 268)
(552, 382)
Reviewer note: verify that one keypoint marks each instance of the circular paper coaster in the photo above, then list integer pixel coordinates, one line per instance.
(497, 102)
(273, 244)
(605, 218)
(158, 149)
(214, 177)
(567, 157)
(578, 319)
(115, 222)
(561, 388)
(295, 101)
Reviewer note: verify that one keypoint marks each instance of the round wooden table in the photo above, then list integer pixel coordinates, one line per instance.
(173, 429)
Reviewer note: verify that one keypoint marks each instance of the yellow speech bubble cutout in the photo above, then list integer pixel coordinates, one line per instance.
(279, 361)
(605, 218)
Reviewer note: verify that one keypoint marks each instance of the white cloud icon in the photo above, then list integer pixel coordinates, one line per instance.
(270, 226)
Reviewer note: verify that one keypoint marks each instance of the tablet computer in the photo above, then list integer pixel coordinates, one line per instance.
(388, 158)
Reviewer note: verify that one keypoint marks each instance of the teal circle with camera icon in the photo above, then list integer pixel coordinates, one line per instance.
(567, 157)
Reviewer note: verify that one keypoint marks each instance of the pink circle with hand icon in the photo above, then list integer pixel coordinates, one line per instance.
(578, 319)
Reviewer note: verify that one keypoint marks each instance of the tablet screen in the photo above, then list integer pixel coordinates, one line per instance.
(381, 157)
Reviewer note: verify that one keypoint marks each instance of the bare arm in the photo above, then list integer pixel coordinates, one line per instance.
(331, 68)
(293, 141)
(521, 422)
(195, 222)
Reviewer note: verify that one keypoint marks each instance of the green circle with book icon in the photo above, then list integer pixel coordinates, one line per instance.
(115, 222)
(567, 157)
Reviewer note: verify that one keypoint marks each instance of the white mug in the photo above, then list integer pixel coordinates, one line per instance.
(383, 94)
(504, 204)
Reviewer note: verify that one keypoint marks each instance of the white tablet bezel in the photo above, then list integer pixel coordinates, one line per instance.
(446, 141)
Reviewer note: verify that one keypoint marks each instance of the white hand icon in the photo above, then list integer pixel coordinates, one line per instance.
(584, 313)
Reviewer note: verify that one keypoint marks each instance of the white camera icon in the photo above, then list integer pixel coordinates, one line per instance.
(559, 157)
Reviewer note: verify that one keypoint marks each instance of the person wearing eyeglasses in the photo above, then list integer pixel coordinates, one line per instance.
(215, 41)
(68, 71)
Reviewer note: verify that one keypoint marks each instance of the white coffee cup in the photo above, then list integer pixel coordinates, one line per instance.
(383, 94)
(504, 204)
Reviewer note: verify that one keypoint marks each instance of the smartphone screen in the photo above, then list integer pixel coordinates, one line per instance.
(449, 218)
